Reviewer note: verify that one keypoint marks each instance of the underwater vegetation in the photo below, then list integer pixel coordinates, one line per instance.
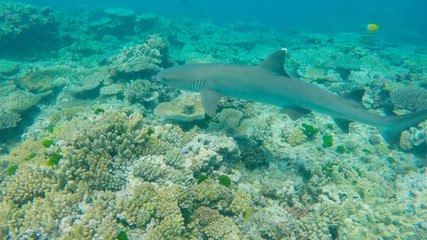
(104, 151)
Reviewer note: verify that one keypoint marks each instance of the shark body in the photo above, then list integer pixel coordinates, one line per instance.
(269, 83)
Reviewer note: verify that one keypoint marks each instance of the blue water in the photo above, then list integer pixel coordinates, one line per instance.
(400, 21)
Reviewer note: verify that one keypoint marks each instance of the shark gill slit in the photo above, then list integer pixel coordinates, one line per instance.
(197, 85)
(201, 84)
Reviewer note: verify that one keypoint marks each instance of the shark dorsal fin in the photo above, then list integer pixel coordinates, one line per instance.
(210, 101)
(355, 95)
(275, 62)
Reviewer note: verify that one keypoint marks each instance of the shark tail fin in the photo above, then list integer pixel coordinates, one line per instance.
(395, 125)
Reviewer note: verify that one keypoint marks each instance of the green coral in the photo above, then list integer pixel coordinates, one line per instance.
(224, 180)
(328, 141)
(97, 111)
(12, 169)
(30, 156)
(53, 160)
(47, 143)
(309, 130)
(202, 178)
(122, 236)
(365, 150)
(150, 131)
(341, 149)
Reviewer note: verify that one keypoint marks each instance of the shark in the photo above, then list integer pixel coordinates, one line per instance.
(269, 83)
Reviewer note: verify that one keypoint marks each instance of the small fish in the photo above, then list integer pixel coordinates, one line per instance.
(372, 28)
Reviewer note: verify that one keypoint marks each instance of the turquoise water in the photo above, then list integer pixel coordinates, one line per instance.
(94, 146)
(401, 22)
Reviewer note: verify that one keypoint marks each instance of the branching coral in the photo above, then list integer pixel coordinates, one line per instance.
(141, 61)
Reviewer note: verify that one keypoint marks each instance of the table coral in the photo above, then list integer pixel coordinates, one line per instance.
(409, 98)
(40, 78)
(19, 100)
(184, 108)
(8, 68)
(112, 89)
(9, 119)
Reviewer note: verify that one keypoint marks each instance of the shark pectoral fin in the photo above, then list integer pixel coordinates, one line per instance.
(275, 62)
(210, 101)
(296, 112)
(343, 124)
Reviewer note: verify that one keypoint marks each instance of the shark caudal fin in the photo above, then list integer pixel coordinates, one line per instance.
(394, 126)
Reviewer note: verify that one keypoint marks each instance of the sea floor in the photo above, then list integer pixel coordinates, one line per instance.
(93, 147)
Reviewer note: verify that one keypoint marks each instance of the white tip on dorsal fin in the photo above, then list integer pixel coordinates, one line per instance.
(276, 61)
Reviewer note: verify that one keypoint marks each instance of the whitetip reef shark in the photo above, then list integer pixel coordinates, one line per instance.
(269, 83)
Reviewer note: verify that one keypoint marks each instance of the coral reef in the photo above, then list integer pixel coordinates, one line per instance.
(409, 98)
(9, 119)
(26, 29)
(19, 101)
(141, 91)
(94, 157)
(141, 61)
(8, 68)
(184, 108)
